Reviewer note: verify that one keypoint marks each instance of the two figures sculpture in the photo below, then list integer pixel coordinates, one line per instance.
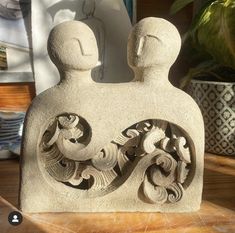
(102, 147)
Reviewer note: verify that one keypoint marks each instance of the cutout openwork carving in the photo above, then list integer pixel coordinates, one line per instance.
(164, 173)
(99, 147)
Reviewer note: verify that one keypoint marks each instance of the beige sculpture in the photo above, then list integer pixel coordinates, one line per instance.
(108, 20)
(93, 147)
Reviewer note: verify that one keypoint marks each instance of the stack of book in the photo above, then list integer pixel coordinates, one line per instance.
(3, 58)
(11, 126)
(16, 76)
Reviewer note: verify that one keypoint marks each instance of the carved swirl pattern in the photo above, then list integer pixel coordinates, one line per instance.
(164, 176)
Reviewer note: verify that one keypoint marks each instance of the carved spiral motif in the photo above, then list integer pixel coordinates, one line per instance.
(163, 180)
(57, 166)
(177, 194)
(101, 179)
(164, 173)
(170, 170)
(106, 159)
(154, 194)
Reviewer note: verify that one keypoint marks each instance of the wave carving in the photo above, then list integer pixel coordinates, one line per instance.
(163, 180)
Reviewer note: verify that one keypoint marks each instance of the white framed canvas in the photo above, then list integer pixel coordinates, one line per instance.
(15, 34)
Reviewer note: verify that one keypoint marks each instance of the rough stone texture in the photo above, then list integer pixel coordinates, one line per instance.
(110, 24)
(93, 147)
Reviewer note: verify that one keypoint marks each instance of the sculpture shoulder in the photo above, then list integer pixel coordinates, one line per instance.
(186, 102)
(43, 102)
(45, 98)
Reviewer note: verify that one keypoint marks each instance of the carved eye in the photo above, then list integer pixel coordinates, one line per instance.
(85, 50)
(152, 43)
(154, 37)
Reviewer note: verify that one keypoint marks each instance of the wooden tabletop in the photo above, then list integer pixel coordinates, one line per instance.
(217, 212)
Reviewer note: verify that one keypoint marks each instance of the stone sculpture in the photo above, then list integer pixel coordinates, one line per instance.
(110, 23)
(94, 147)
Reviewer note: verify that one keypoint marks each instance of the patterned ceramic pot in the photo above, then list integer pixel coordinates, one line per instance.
(217, 103)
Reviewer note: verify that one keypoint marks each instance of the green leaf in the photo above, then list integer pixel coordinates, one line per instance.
(215, 31)
(178, 5)
(200, 70)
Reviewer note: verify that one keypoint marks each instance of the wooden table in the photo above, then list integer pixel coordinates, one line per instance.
(217, 212)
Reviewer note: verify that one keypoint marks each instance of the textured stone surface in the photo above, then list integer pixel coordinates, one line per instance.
(108, 20)
(93, 147)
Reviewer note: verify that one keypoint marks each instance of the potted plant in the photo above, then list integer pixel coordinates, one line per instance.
(210, 45)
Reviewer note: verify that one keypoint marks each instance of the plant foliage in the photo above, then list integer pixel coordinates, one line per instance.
(212, 32)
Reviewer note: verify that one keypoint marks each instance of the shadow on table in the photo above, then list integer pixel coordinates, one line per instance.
(32, 223)
(9, 185)
(27, 225)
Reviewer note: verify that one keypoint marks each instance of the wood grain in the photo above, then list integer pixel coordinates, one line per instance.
(16, 96)
(217, 212)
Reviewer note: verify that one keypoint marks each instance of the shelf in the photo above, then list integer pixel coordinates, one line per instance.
(16, 77)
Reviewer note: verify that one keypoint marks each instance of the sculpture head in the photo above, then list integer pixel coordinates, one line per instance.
(153, 42)
(72, 46)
